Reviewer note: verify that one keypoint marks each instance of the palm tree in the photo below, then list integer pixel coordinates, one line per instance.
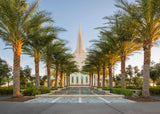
(58, 52)
(70, 67)
(94, 59)
(145, 17)
(47, 53)
(110, 55)
(64, 59)
(16, 19)
(122, 36)
(87, 68)
(39, 38)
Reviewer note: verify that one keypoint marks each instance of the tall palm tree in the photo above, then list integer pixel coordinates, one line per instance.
(146, 21)
(47, 53)
(94, 59)
(87, 68)
(122, 36)
(64, 59)
(58, 52)
(110, 55)
(16, 19)
(70, 67)
(39, 38)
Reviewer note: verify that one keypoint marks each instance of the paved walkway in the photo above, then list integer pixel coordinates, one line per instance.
(81, 108)
(80, 100)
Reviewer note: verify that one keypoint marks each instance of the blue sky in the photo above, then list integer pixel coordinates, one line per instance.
(69, 14)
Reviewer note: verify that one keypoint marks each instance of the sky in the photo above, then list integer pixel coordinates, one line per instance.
(68, 14)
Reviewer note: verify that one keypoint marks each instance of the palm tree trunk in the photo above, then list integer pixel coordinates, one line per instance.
(92, 79)
(61, 78)
(16, 69)
(64, 80)
(146, 68)
(123, 73)
(69, 79)
(36, 60)
(110, 75)
(55, 84)
(49, 74)
(98, 84)
(104, 72)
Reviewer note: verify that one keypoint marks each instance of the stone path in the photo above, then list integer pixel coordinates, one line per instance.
(80, 100)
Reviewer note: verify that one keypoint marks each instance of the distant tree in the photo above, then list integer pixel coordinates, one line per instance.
(4, 70)
(25, 75)
(155, 72)
(43, 80)
(129, 71)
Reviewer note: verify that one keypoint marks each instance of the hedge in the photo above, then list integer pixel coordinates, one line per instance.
(125, 92)
(134, 87)
(6, 90)
(54, 88)
(154, 90)
(33, 91)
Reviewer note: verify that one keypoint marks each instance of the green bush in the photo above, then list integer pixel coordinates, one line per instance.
(6, 90)
(99, 87)
(154, 90)
(134, 87)
(36, 92)
(33, 92)
(125, 92)
(106, 88)
(53, 88)
(44, 90)
(117, 86)
(28, 92)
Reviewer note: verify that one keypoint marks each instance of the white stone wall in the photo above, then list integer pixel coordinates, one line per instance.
(80, 59)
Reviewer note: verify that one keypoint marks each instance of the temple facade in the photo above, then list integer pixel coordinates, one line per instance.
(79, 56)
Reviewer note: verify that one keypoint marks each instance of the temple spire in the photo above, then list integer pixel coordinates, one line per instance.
(79, 48)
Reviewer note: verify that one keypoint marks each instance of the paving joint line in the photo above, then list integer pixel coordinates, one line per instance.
(104, 100)
(80, 99)
(114, 108)
(55, 100)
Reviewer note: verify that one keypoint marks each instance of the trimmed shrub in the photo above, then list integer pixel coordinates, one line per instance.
(134, 87)
(54, 88)
(106, 88)
(28, 92)
(36, 92)
(99, 87)
(6, 90)
(125, 92)
(117, 86)
(33, 91)
(154, 90)
(44, 90)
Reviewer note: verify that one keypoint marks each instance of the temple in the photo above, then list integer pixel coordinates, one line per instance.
(79, 56)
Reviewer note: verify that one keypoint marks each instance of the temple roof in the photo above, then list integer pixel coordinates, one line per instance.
(79, 48)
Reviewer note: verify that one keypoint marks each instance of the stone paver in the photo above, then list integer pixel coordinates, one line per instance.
(79, 100)
(41, 100)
